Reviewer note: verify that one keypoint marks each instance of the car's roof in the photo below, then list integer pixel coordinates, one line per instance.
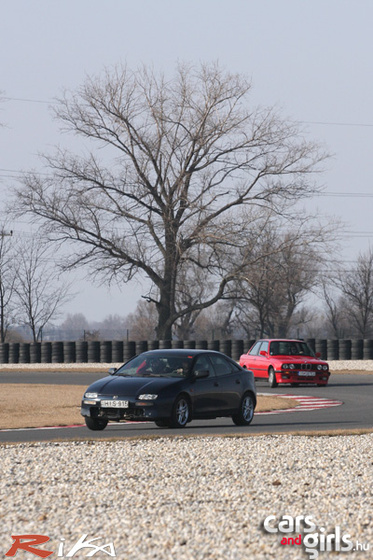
(181, 351)
(282, 339)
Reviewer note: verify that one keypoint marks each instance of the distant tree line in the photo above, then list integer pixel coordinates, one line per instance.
(339, 306)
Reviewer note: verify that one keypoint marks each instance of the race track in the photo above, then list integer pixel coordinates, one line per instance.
(345, 404)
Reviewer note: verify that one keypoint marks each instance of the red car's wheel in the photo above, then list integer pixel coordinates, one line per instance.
(272, 381)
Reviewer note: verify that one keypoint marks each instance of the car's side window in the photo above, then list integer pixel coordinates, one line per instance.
(222, 366)
(203, 363)
(264, 346)
(255, 349)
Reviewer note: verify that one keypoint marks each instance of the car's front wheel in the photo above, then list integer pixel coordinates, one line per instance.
(272, 381)
(162, 423)
(246, 411)
(180, 413)
(95, 423)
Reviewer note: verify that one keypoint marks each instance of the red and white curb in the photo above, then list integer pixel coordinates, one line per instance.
(305, 403)
(41, 428)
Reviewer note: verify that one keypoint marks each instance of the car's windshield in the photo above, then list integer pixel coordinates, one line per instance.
(157, 365)
(290, 348)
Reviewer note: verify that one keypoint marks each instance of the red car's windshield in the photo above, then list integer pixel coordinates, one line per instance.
(290, 348)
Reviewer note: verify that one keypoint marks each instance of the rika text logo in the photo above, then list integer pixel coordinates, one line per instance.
(33, 543)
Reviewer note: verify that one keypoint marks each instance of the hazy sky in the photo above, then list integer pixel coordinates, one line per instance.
(312, 59)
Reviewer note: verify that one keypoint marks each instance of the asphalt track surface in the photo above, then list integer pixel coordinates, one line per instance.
(355, 391)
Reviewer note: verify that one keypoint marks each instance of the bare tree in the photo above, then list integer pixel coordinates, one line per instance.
(356, 287)
(336, 317)
(285, 266)
(7, 280)
(142, 322)
(182, 158)
(40, 292)
(74, 327)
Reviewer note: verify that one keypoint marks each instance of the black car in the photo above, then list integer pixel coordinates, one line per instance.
(171, 388)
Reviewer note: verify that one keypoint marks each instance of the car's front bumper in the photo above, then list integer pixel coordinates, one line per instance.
(136, 411)
(302, 377)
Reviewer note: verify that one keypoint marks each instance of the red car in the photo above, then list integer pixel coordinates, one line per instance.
(285, 361)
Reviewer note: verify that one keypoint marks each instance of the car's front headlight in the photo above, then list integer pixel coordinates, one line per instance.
(147, 397)
(91, 395)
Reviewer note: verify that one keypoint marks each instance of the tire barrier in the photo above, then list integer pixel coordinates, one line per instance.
(69, 352)
(311, 343)
(24, 353)
(141, 346)
(14, 352)
(46, 352)
(345, 349)
(129, 350)
(237, 349)
(57, 352)
(332, 349)
(119, 351)
(357, 349)
(368, 349)
(226, 347)
(247, 344)
(93, 351)
(35, 352)
(153, 344)
(81, 351)
(106, 352)
(201, 344)
(4, 353)
(321, 348)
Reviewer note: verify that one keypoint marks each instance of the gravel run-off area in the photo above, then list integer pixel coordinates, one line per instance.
(190, 498)
(193, 498)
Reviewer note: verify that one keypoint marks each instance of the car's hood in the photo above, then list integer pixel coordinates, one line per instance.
(119, 385)
(300, 359)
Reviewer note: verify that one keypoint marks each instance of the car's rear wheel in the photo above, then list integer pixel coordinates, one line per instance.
(180, 412)
(95, 423)
(246, 411)
(272, 381)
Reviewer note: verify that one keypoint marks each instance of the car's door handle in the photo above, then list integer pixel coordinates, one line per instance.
(216, 384)
(238, 381)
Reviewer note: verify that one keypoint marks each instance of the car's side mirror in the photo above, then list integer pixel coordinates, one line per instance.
(201, 373)
(318, 354)
(263, 353)
(112, 370)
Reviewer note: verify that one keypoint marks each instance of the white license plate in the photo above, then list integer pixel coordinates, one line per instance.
(307, 373)
(114, 404)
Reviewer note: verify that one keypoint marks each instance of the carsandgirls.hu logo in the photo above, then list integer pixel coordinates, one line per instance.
(308, 535)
